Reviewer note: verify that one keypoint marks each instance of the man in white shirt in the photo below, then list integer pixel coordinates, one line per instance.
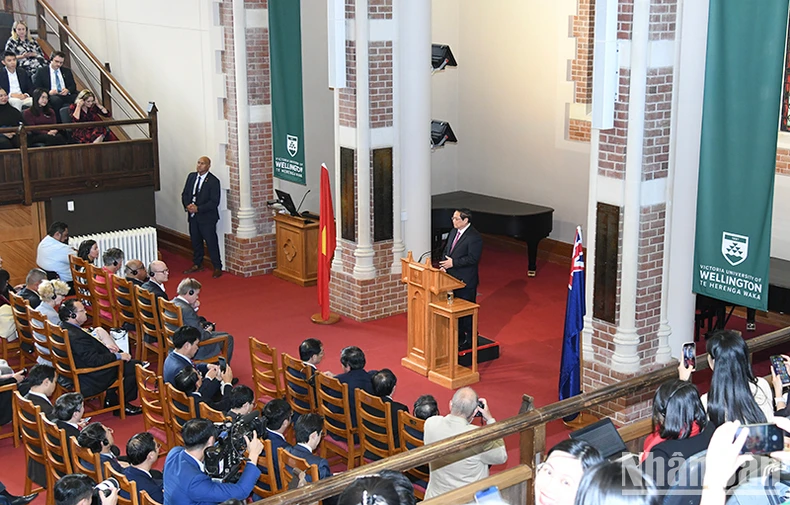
(54, 250)
(16, 82)
(457, 470)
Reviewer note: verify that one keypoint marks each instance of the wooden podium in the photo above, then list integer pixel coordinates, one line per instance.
(432, 348)
(297, 250)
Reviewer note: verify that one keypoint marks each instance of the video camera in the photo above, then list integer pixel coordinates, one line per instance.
(223, 459)
(104, 488)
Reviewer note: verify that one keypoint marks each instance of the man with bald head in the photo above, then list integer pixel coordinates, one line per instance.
(201, 202)
(134, 271)
(460, 469)
(158, 275)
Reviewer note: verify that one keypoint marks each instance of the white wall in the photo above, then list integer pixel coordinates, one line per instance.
(506, 104)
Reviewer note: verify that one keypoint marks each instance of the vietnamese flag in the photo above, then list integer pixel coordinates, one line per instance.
(326, 243)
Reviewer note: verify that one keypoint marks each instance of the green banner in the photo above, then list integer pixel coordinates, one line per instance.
(740, 118)
(285, 50)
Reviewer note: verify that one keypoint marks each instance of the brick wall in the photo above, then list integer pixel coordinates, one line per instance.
(783, 161)
(380, 9)
(380, 54)
(658, 113)
(258, 82)
(652, 224)
(347, 105)
(582, 28)
(625, 19)
(663, 18)
(579, 129)
(612, 144)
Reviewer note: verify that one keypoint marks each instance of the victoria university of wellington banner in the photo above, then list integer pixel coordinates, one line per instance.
(285, 52)
(740, 118)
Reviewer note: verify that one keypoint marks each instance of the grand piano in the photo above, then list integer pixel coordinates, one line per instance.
(496, 216)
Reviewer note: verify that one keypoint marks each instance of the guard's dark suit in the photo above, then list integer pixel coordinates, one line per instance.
(203, 225)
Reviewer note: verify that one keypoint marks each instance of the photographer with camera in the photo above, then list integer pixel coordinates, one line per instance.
(79, 489)
(241, 401)
(186, 341)
(185, 480)
(469, 466)
(190, 382)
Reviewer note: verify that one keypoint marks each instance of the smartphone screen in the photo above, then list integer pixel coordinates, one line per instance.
(780, 369)
(689, 355)
(488, 495)
(762, 439)
(223, 365)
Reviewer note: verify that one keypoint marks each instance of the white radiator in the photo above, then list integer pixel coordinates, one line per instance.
(137, 243)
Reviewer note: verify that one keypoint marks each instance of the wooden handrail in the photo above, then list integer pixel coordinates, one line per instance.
(520, 423)
(73, 38)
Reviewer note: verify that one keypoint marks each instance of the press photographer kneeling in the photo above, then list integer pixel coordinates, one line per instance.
(185, 479)
(79, 489)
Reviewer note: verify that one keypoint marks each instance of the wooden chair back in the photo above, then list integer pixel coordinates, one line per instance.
(40, 332)
(125, 312)
(215, 416)
(100, 285)
(10, 430)
(288, 463)
(265, 371)
(57, 344)
(266, 485)
(181, 408)
(153, 400)
(151, 337)
(170, 318)
(30, 428)
(333, 404)
(297, 380)
(145, 499)
(63, 361)
(79, 276)
(84, 460)
(129, 487)
(374, 423)
(411, 431)
(57, 450)
(12, 350)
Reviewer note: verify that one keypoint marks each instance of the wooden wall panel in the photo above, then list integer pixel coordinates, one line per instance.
(21, 229)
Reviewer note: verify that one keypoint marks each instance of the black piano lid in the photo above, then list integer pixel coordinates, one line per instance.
(486, 204)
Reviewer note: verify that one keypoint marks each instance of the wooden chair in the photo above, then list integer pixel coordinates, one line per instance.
(265, 372)
(31, 430)
(297, 379)
(156, 417)
(40, 332)
(171, 319)
(58, 460)
(12, 350)
(266, 485)
(288, 463)
(215, 416)
(126, 313)
(63, 361)
(100, 284)
(13, 429)
(411, 430)
(374, 423)
(145, 499)
(127, 486)
(79, 276)
(181, 409)
(84, 460)
(334, 406)
(151, 337)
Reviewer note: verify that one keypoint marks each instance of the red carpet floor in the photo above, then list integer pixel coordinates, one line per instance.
(524, 314)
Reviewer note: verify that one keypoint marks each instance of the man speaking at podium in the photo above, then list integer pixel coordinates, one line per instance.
(460, 258)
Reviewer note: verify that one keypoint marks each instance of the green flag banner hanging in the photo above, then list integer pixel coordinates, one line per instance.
(740, 118)
(285, 50)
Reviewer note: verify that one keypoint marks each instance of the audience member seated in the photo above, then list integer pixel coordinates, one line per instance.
(78, 489)
(376, 490)
(52, 295)
(558, 477)
(158, 274)
(352, 359)
(42, 380)
(40, 113)
(384, 382)
(85, 109)
(30, 291)
(457, 470)
(67, 413)
(112, 259)
(16, 82)
(189, 300)
(426, 406)
(10, 117)
(311, 352)
(7, 324)
(99, 439)
(189, 381)
(278, 417)
(680, 430)
(185, 342)
(8, 376)
(308, 431)
(89, 352)
(185, 482)
(142, 452)
(134, 272)
(58, 80)
(89, 251)
(616, 483)
(240, 402)
(27, 51)
(7, 498)
(54, 251)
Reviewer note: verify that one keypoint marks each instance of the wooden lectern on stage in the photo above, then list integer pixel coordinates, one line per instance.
(433, 325)
(297, 249)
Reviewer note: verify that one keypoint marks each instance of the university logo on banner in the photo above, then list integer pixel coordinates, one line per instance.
(293, 144)
(734, 247)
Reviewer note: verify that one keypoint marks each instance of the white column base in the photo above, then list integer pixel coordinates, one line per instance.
(246, 228)
(398, 251)
(626, 358)
(363, 267)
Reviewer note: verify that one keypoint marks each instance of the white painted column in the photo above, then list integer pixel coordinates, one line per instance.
(363, 266)
(626, 358)
(589, 235)
(398, 247)
(246, 214)
(414, 82)
(337, 263)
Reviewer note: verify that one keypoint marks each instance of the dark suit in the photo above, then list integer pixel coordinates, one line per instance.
(42, 80)
(25, 83)
(277, 442)
(323, 465)
(114, 463)
(185, 484)
(356, 379)
(191, 318)
(6, 409)
(466, 256)
(203, 225)
(44, 404)
(31, 296)
(135, 281)
(145, 482)
(154, 289)
(88, 353)
(657, 462)
(174, 363)
(394, 407)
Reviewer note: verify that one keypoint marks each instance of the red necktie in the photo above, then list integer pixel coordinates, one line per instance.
(455, 241)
